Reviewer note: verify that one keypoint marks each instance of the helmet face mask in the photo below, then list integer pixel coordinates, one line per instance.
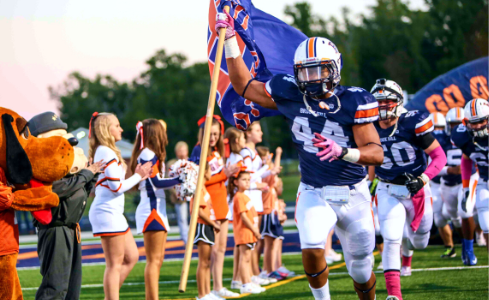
(476, 113)
(388, 94)
(317, 67)
(478, 127)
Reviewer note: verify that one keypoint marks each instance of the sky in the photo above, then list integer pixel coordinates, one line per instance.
(44, 41)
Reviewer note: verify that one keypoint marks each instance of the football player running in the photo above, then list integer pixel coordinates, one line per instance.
(450, 189)
(334, 123)
(403, 193)
(472, 138)
(440, 213)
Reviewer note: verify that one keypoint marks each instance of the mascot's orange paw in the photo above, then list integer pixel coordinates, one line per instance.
(38, 198)
(9, 280)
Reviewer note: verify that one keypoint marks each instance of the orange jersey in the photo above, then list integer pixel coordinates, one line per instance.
(216, 186)
(9, 230)
(206, 204)
(269, 197)
(242, 234)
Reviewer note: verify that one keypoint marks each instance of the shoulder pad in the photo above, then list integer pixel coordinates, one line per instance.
(282, 86)
(421, 122)
(460, 136)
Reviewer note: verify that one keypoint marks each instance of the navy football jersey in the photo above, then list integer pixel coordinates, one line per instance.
(454, 157)
(476, 149)
(402, 153)
(357, 106)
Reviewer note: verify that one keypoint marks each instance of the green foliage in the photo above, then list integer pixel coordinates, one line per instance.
(410, 46)
(166, 90)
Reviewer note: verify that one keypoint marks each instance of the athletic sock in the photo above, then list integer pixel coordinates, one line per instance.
(321, 293)
(406, 261)
(393, 283)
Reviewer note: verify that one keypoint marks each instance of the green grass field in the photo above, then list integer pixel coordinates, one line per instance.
(426, 284)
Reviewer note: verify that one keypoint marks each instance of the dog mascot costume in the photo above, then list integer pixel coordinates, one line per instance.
(28, 166)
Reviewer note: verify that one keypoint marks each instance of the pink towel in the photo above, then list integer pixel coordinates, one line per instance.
(418, 203)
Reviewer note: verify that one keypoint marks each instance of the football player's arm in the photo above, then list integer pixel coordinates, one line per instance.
(240, 79)
(438, 158)
(466, 170)
(368, 142)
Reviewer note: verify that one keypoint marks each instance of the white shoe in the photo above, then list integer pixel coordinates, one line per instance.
(480, 240)
(259, 287)
(405, 271)
(236, 285)
(224, 292)
(392, 298)
(259, 281)
(329, 260)
(250, 289)
(264, 275)
(214, 296)
(380, 266)
(335, 256)
(206, 297)
(284, 270)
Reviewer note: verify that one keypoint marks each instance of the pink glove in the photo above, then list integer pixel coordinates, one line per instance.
(224, 20)
(331, 149)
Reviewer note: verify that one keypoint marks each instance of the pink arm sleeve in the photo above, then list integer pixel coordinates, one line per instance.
(466, 169)
(438, 161)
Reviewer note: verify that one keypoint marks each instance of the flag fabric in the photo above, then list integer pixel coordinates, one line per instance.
(267, 46)
(454, 88)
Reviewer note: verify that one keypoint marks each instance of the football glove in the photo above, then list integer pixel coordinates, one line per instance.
(413, 184)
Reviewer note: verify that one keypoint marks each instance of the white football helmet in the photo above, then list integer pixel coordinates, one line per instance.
(385, 90)
(311, 60)
(454, 117)
(439, 120)
(476, 113)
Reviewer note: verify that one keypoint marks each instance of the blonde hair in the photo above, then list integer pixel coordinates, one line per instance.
(180, 145)
(101, 136)
(232, 134)
(163, 123)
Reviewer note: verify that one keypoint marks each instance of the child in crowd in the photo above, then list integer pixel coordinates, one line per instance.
(282, 217)
(151, 217)
(268, 224)
(204, 239)
(246, 230)
(106, 213)
(234, 142)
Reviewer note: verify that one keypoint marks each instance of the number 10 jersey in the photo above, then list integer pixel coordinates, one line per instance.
(334, 120)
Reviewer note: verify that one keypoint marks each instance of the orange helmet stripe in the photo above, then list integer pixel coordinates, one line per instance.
(473, 108)
(310, 47)
(436, 118)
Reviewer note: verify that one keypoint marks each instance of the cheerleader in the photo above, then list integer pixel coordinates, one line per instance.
(217, 190)
(151, 217)
(106, 213)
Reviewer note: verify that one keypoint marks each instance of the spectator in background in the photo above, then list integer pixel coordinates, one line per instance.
(181, 206)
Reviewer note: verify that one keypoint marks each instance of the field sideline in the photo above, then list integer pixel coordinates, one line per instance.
(434, 278)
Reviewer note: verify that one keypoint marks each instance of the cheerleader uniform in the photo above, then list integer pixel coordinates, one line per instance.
(106, 213)
(216, 186)
(234, 159)
(255, 166)
(151, 211)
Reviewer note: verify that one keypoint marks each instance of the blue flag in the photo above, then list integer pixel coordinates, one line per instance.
(267, 46)
(454, 88)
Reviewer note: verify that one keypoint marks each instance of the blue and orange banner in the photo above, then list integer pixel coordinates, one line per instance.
(453, 89)
(267, 46)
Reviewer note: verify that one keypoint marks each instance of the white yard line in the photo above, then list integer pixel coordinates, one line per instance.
(229, 279)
